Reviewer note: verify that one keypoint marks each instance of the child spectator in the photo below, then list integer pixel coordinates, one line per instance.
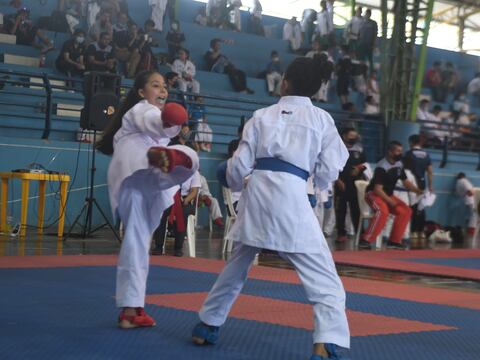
(206, 198)
(373, 89)
(175, 38)
(186, 72)
(203, 136)
(274, 74)
(371, 108)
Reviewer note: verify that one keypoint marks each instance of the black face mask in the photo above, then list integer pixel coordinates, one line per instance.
(397, 157)
(351, 142)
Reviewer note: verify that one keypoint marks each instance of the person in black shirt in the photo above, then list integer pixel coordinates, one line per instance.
(233, 145)
(22, 27)
(175, 38)
(344, 75)
(71, 60)
(418, 162)
(379, 196)
(100, 55)
(345, 190)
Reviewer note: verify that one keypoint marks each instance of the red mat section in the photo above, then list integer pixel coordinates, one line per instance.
(294, 314)
(398, 260)
(469, 300)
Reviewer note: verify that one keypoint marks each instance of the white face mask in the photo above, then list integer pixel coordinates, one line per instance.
(80, 39)
(174, 27)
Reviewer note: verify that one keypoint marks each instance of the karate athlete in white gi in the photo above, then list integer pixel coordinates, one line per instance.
(283, 145)
(143, 177)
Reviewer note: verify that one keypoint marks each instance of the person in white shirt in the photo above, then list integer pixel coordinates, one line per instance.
(211, 202)
(282, 145)
(186, 72)
(292, 32)
(158, 10)
(325, 29)
(235, 19)
(473, 87)
(373, 89)
(464, 188)
(370, 107)
(203, 134)
(143, 177)
(352, 29)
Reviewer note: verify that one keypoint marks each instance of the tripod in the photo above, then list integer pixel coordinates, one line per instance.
(88, 205)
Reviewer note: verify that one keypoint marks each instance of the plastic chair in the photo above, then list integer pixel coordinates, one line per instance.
(231, 217)
(365, 211)
(476, 208)
(191, 225)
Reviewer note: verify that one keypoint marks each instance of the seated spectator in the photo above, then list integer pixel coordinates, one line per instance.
(71, 60)
(371, 108)
(274, 74)
(359, 76)
(352, 30)
(217, 13)
(379, 196)
(461, 103)
(196, 112)
(233, 145)
(433, 80)
(344, 70)
(256, 24)
(434, 130)
(206, 198)
(216, 62)
(171, 80)
(203, 135)
(127, 46)
(184, 205)
(449, 81)
(22, 27)
(465, 190)
(103, 24)
(185, 137)
(186, 72)
(100, 55)
(175, 38)
(373, 89)
(292, 31)
(201, 18)
(473, 88)
(316, 49)
(153, 36)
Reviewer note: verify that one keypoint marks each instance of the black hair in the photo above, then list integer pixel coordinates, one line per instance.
(349, 106)
(149, 22)
(78, 32)
(414, 139)
(170, 75)
(133, 98)
(393, 144)
(240, 129)
(214, 41)
(103, 33)
(304, 76)
(346, 130)
(368, 98)
(461, 175)
(424, 101)
(274, 52)
(437, 108)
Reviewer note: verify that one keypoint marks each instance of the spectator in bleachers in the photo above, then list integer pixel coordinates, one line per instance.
(204, 135)
(352, 30)
(460, 103)
(433, 129)
(327, 70)
(315, 50)
(345, 189)
(367, 38)
(186, 71)
(100, 55)
(292, 31)
(120, 28)
(235, 21)
(127, 46)
(216, 62)
(175, 38)
(93, 9)
(171, 80)
(274, 74)
(22, 27)
(149, 30)
(325, 31)
(344, 76)
(71, 60)
(256, 24)
(103, 24)
(185, 137)
(158, 11)
(418, 162)
(433, 80)
(74, 12)
(201, 18)
(449, 82)
(359, 76)
(215, 12)
(114, 7)
(196, 111)
(379, 196)
(371, 107)
(206, 198)
(423, 113)
(464, 189)
(473, 88)
(233, 145)
(309, 16)
(373, 89)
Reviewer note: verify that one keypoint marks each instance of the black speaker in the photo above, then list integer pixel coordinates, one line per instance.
(102, 95)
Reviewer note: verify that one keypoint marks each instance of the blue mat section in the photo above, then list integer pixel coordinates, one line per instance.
(69, 313)
(465, 263)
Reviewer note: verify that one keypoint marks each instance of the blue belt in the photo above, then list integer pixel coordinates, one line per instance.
(274, 164)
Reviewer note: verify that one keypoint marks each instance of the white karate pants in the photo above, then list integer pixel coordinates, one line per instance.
(274, 80)
(185, 85)
(214, 209)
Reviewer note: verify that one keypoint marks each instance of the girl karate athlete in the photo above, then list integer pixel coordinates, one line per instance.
(143, 177)
(283, 145)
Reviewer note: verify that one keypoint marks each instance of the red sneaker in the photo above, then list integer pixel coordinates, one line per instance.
(167, 159)
(142, 319)
(219, 222)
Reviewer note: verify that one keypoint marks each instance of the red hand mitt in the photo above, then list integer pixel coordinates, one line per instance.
(174, 114)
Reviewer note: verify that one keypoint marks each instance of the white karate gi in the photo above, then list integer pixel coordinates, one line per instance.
(326, 217)
(214, 208)
(293, 33)
(185, 69)
(269, 217)
(158, 10)
(463, 188)
(204, 132)
(140, 193)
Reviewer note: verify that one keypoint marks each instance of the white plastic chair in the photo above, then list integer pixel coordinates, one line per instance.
(476, 208)
(231, 217)
(365, 211)
(191, 225)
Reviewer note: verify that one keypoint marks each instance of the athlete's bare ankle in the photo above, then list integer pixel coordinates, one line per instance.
(319, 349)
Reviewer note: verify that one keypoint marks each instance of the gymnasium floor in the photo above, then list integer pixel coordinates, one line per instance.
(57, 301)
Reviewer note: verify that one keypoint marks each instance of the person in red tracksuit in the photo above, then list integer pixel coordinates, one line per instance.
(379, 195)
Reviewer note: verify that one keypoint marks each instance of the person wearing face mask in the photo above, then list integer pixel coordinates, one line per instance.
(144, 174)
(274, 74)
(175, 38)
(379, 196)
(345, 190)
(71, 60)
(100, 55)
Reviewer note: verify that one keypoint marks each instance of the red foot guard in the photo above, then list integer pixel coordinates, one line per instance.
(166, 159)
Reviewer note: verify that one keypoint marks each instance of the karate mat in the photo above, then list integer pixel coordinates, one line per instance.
(457, 263)
(63, 308)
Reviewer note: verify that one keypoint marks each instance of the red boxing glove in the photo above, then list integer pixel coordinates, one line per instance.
(174, 114)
